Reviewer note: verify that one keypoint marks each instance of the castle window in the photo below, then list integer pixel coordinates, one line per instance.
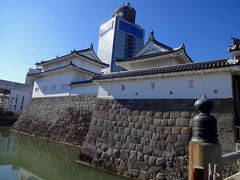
(191, 83)
(16, 100)
(22, 103)
(122, 87)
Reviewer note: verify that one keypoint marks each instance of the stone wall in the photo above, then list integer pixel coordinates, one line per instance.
(65, 119)
(149, 138)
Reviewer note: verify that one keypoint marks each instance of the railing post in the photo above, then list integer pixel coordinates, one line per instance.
(204, 148)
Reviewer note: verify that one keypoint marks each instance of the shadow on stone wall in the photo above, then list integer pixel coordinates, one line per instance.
(65, 119)
(148, 138)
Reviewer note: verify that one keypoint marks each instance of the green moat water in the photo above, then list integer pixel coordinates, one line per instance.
(24, 157)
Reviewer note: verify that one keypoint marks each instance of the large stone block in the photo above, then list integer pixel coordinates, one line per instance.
(185, 114)
(145, 126)
(134, 132)
(116, 137)
(166, 115)
(182, 122)
(176, 130)
(175, 114)
(147, 150)
(156, 136)
(143, 175)
(149, 114)
(149, 120)
(132, 146)
(158, 115)
(152, 128)
(157, 122)
(186, 130)
(140, 133)
(134, 172)
(133, 155)
(167, 130)
(139, 147)
(138, 125)
(152, 161)
(139, 156)
(164, 123)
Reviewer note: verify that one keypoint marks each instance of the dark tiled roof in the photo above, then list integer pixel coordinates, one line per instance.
(169, 69)
(146, 56)
(78, 53)
(71, 64)
(82, 82)
(93, 60)
(235, 45)
(152, 38)
(154, 55)
(162, 45)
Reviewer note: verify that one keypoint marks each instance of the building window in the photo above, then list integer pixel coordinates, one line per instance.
(36, 89)
(122, 87)
(191, 83)
(22, 103)
(16, 100)
(54, 87)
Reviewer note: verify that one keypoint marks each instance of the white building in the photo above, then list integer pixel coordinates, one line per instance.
(57, 74)
(157, 71)
(14, 96)
(161, 72)
(120, 37)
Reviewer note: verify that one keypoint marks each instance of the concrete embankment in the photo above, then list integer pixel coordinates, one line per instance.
(64, 119)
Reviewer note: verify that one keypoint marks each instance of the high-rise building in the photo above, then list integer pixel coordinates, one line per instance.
(120, 37)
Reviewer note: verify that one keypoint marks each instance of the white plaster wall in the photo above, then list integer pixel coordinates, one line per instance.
(151, 64)
(17, 106)
(214, 85)
(84, 89)
(57, 80)
(87, 65)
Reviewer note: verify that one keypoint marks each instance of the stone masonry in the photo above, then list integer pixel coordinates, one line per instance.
(148, 139)
(65, 119)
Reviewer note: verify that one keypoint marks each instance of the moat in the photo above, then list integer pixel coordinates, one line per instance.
(25, 157)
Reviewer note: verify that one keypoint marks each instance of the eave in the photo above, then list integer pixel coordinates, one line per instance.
(62, 69)
(73, 54)
(83, 83)
(176, 70)
(175, 74)
(179, 53)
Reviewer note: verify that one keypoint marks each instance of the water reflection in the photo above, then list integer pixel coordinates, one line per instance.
(28, 158)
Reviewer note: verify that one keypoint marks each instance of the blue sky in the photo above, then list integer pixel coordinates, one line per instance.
(35, 30)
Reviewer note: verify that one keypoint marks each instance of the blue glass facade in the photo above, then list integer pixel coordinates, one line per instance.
(119, 39)
(129, 28)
